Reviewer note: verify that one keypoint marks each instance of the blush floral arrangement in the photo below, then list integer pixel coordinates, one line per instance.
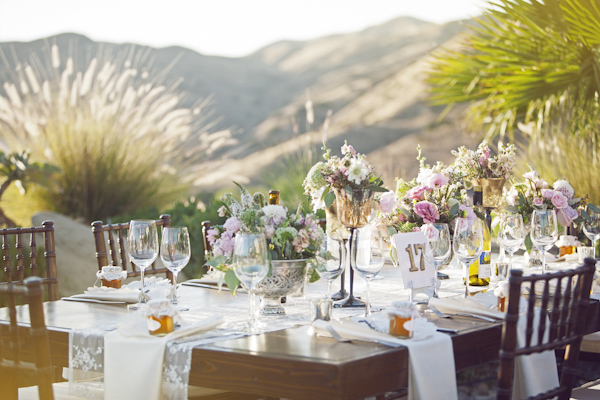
(350, 172)
(436, 195)
(480, 164)
(536, 193)
(290, 235)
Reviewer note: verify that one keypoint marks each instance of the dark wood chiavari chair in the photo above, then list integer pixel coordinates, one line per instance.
(16, 342)
(115, 236)
(562, 312)
(14, 268)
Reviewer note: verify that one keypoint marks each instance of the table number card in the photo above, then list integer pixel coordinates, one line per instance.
(415, 268)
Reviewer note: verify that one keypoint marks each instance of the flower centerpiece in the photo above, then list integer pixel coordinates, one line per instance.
(290, 235)
(436, 195)
(484, 170)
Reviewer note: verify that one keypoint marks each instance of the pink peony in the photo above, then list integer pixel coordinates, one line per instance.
(559, 200)
(430, 231)
(566, 215)
(387, 201)
(224, 245)
(232, 225)
(538, 202)
(428, 211)
(211, 235)
(548, 193)
(417, 193)
(437, 180)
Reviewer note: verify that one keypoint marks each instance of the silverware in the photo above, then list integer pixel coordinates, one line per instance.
(450, 315)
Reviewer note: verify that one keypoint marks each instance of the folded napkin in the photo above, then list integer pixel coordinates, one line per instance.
(434, 353)
(133, 361)
(453, 305)
(124, 294)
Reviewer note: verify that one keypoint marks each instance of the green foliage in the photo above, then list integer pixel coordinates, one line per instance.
(528, 62)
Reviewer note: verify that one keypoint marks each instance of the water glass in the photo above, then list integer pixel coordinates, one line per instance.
(175, 254)
(511, 236)
(544, 232)
(439, 249)
(369, 259)
(329, 262)
(467, 243)
(591, 227)
(142, 246)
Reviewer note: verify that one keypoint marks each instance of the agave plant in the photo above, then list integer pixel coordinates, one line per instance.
(115, 129)
(530, 65)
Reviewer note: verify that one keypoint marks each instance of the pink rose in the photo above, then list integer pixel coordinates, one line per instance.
(468, 213)
(431, 233)
(428, 211)
(387, 201)
(211, 235)
(437, 180)
(566, 215)
(538, 202)
(541, 184)
(224, 245)
(417, 193)
(548, 193)
(559, 200)
(232, 225)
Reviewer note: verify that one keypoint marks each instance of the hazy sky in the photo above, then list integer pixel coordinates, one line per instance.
(219, 27)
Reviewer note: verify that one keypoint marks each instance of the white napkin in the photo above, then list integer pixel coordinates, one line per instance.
(133, 363)
(434, 353)
(125, 294)
(464, 305)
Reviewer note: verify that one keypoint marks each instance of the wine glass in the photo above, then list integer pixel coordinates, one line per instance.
(369, 259)
(511, 236)
(142, 245)
(440, 246)
(467, 243)
(328, 262)
(250, 265)
(175, 254)
(544, 232)
(591, 227)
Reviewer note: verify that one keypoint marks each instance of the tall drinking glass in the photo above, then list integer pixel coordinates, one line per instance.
(369, 259)
(591, 227)
(329, 262)
(251, 265)
(440, 247)
(468, 243)
(511, 236)
(142, 245)
(544, 232)
(175, 254)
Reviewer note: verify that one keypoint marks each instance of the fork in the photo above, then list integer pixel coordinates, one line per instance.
(450, 315)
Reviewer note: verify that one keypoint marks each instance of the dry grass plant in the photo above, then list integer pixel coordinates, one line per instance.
(114, 127)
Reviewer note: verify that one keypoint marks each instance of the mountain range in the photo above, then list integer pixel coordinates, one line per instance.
(367, 87)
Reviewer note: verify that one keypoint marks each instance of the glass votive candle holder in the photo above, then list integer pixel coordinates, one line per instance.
(401, 319)
(111, 276)
(585, 252)
(160, 314)
(320, 309)
(566, 245)
(501, 291)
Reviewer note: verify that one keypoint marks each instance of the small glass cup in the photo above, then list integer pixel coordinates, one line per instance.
(111, 276)
(160, 314)
(585, 252)
(321, 309)
(401, 319)
(566, 245)
(502, 293)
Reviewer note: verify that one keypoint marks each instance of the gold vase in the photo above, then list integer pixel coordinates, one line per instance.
(335, 229)
(353, 208)
(492, 190)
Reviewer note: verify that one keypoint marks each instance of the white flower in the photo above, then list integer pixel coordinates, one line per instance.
(273, 214)
(565, 188)
(357, 171)
(424, 175)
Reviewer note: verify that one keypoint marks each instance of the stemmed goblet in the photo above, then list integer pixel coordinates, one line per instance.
(591, 226)
(511, 236)
(250, 265)
(142, 246)
(175, 254)
(467, 243)
(440, 246)
(329, 262)
(369, 260)
(544, 232)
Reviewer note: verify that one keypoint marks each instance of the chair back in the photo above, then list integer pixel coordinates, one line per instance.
(19, 345)
(115, 237)
(14, 268)
(563, 298)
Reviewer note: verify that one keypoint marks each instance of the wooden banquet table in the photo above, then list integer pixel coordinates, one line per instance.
(291, 363)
